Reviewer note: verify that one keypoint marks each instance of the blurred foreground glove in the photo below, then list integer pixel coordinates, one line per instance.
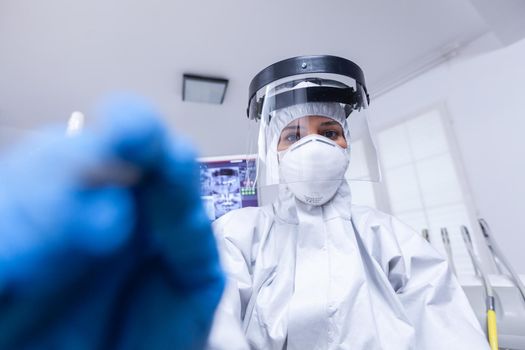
(104, 243)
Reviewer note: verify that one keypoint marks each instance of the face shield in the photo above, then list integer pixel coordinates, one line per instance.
(310, 118)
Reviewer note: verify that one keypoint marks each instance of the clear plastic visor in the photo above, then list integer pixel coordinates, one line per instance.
(312, 128)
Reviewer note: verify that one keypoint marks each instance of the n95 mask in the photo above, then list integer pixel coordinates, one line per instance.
(313, 168)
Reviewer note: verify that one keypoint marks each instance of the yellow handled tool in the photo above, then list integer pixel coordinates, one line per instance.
(492, 330)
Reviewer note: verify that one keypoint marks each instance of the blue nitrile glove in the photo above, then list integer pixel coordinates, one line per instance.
(104, 243)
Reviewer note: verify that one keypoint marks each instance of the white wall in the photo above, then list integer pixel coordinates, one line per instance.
(484, 93)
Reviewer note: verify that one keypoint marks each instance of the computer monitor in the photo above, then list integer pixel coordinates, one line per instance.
(227, 183)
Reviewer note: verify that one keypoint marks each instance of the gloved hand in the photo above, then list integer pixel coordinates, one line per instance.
(104, 243)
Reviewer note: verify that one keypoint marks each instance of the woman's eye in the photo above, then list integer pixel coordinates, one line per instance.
(331, 134)
(292, 138)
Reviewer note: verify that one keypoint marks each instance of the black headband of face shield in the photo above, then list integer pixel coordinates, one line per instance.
(351, 99)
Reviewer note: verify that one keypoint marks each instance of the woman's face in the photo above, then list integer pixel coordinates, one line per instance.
(309, 125)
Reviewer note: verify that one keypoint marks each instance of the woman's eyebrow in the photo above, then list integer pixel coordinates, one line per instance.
(293, 127)
(329, 123)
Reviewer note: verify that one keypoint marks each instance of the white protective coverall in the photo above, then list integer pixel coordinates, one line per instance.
(336, 276)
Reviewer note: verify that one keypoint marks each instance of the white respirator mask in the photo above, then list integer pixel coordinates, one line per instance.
(313, 168)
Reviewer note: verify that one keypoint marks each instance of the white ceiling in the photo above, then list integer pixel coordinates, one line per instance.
(57, 56)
